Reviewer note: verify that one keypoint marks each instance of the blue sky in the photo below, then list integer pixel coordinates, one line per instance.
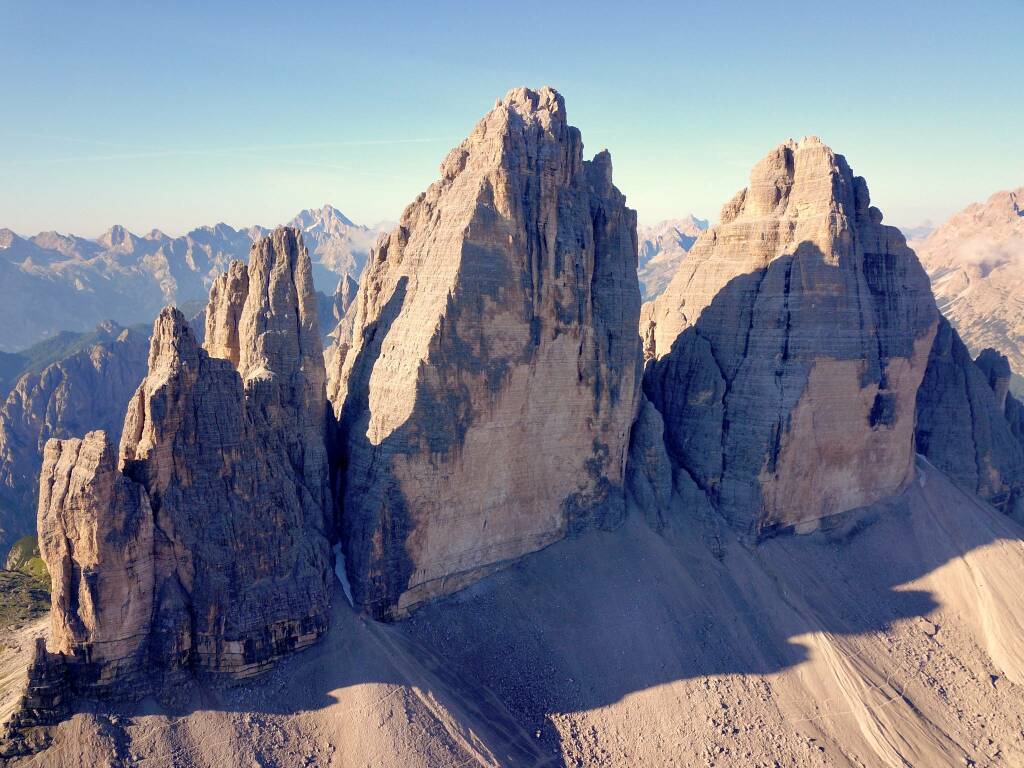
(176, 114)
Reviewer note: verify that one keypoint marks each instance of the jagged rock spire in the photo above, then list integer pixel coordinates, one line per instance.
(486, 390)
(202, 544)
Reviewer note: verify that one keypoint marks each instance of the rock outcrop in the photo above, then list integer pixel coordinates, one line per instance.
(786, 354)
(86, 390)
(976, 264)
(966, 420)
(492, 376)
(344, 297)
(200, 545)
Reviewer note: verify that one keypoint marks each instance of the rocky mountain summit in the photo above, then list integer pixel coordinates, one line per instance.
(786, 353)
(604, 485)
(53, 282)
(83, 391)
(976, 264)
(661, 248)
(200, 545)
(338, 247)
(486, 390)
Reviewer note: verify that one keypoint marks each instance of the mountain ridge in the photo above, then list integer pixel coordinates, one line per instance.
(975, 261)
(75, 282)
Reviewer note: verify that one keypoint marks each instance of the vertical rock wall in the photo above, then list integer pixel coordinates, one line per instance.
(786, 353)
(487, 388)
(201, 545)
(965, 421)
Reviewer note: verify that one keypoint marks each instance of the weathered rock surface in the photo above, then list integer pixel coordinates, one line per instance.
(86, 390)
(200, 546)
(344, 297)
(661, 249)
(486, 399)
(964, 422)
(976, 264)
(787, 351)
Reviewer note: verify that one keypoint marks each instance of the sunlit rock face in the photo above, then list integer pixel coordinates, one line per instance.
(486, 389)
(662, 247)
(200, 546)
(786, 353)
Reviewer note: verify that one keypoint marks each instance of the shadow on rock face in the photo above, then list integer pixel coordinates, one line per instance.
(592, 621)
(730, 387)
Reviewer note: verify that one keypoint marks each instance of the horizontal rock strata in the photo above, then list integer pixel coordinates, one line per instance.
(786, 353)
(966, 422)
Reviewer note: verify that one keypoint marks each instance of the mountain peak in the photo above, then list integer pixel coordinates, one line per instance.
(801, 235)
(327, 218)
(116, 237)
(526, 101)
(8, 237)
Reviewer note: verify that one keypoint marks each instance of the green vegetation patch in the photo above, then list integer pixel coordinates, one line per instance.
(24, 558)
(22, 599)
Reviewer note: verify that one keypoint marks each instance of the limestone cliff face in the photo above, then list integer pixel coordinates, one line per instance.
(86, 390)
(201, 545)
(96, 535)
(786, 353)
(492, 375)
(661, 249)
(966, 420)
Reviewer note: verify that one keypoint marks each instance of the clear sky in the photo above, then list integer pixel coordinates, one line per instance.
(176, 114)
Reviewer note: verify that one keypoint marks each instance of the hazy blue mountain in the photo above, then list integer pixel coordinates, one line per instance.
(54, 282)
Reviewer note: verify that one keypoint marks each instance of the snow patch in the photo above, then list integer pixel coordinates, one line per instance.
(339, 571)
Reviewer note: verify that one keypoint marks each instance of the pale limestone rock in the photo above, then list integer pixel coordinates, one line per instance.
(486, 399)
(96, 537)
(338, 247)
(967, 423)
(223, 312)
(662, 247)
(204, 548)
(786, 353)
(344, 296)
(84, 391)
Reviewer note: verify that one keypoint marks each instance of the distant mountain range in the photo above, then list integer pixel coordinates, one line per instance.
(661, 247)
(976, 264)
(53, 282)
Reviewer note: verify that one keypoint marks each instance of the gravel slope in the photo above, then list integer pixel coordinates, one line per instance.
(896, 638)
